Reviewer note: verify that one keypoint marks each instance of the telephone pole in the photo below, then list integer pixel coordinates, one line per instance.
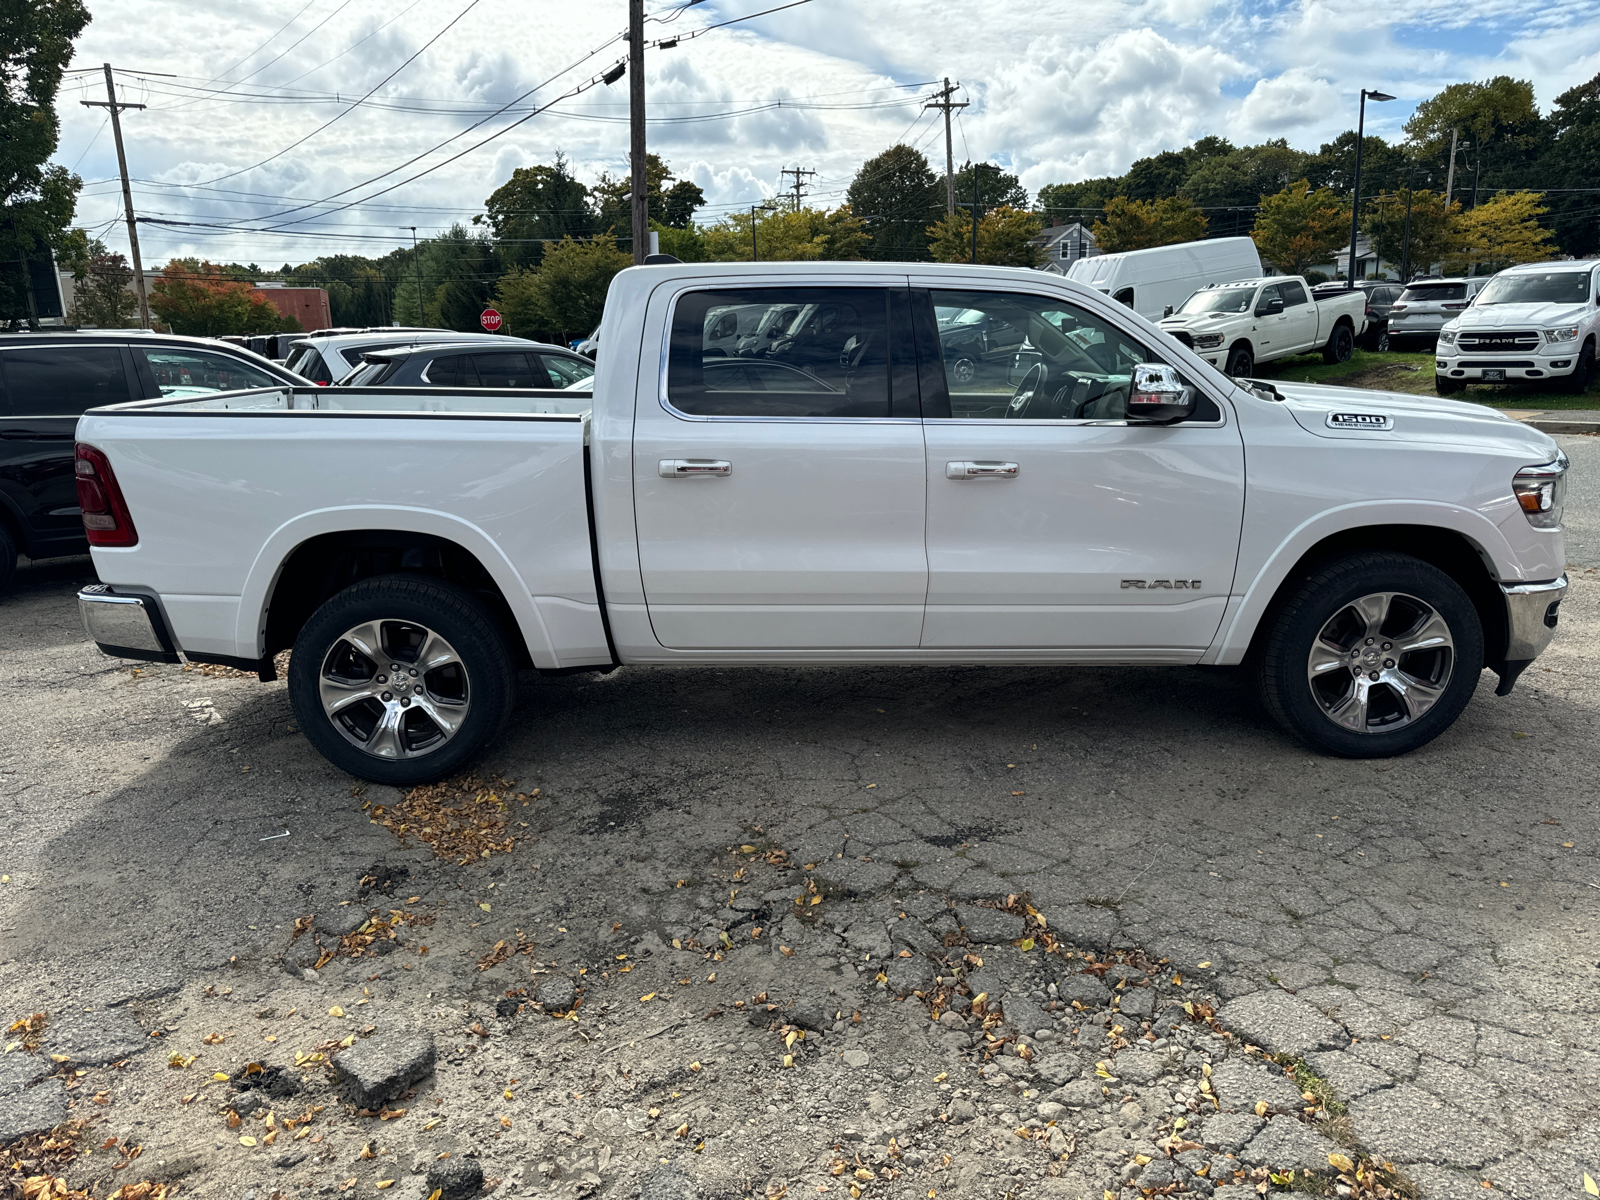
(800, 175)
(1450, 177)
(944, 100)
(115, 106)
(641, 216)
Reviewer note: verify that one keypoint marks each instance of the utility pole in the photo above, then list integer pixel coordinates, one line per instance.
(1450, 178)
(942, 99)
(416, 260)
(115, 107)
(800, 174)
(641, 215)
(975, 207)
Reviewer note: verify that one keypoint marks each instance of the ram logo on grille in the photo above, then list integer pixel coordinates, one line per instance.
(1360, 420)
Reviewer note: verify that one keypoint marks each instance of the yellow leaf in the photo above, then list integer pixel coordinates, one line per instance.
(747, 849)
(647, 997)
(336, 1011)
(864, 1175)
(1340, 1162)
(270, 1138)
(509, 1094)
(1141, 1159)
(220, 1076)
(681, 1131)
(302, 1133)
(505, 1122)
(380, 1184)
(484, 904)
(1261, 1108)
(436, 1194)
(61, 1058)
(788, 1039)
(433, 1124)
(1590, 1186)
(816, 900)
(1025, 945)
(247, 1140)
(1204, 965)
(1100, 1070)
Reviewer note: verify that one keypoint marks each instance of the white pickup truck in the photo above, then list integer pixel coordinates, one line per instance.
(835, 494)
(1537, 322)
(1237, 325)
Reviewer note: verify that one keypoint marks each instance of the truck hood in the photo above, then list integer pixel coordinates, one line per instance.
(1356, 414)
(1199, 322)
(1520, 316)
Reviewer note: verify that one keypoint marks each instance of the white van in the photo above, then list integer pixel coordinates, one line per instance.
(1154, 282)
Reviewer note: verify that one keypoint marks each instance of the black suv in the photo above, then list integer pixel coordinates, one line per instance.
(47, 380)
(1381, 296)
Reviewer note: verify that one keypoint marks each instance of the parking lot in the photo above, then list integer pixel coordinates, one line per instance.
(1421, 936)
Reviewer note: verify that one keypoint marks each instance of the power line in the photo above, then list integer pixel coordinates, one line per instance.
(266, 43)
(285, 50)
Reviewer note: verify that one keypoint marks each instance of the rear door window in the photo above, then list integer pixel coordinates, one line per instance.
(565, 372)
(453, 370)
(507, 370)
(309, 364)
(63, 381)
(1293, 293)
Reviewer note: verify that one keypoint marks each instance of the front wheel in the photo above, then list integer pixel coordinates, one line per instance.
(401, 679)
(1371, 656)
(1240, 362)
(1446, 386)
(1582, 372)
(1341, 344)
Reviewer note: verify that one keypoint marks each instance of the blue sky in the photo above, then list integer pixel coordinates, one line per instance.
(1058, 91)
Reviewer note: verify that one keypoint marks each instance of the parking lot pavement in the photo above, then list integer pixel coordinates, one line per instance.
(1418, 938)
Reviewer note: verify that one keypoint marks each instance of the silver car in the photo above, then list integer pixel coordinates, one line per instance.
(1424, 307)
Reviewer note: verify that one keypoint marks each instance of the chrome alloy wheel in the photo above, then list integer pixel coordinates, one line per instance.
(395, 689)
(1381, 662)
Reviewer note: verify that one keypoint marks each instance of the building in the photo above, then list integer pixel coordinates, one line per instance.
(1064, 245)
(309, 305)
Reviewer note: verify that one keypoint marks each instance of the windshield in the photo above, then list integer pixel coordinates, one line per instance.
(959, 316)
(1537, 287)
(1434, 293)
(1223, 300)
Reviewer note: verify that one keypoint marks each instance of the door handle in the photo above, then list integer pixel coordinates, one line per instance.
(693, 468)
(980, 470)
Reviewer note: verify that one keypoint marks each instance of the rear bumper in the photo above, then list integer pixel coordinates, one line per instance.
(125, 625)
(1531, 617)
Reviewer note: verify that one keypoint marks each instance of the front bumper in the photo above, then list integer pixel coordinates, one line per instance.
(125, 625)
(1505, 367)
(1531, 616)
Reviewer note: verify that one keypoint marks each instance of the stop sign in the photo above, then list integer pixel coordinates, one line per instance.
(490, 320)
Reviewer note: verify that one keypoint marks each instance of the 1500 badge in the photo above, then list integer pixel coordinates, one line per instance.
(1359, 420)
(1192, 584)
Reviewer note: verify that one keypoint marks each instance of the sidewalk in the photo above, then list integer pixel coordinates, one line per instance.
(1558, 420)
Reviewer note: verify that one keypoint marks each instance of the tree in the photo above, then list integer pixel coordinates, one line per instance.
(1062, 203)
(1005, 238)
(537, 204)
(101, 298)
(457, 280)
(1499, 233)
(1502, 109)
(1154, 178)
(360, 290)
(1139, 224)
(36, 201)
(204, 302)
(674, 206)
(1432, 227)
(995, 187)
(804, 235)
(1570, 158)
(567, 294)
(897, 195)
(1300, 227)
(1229, 185)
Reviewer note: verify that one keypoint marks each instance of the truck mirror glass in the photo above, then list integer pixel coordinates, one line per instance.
(1158, 396)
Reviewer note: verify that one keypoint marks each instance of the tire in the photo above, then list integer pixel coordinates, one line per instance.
(1446, 386)
(1240, 363)
(1341, 344)
(1582, 372)
(1357, 613)
(964, 369)
(364, 722)
(8, 558)
(1378, 343)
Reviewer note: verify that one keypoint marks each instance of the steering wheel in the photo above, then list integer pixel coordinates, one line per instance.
(1030, 389)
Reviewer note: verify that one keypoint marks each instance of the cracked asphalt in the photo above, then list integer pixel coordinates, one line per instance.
(1423, 933)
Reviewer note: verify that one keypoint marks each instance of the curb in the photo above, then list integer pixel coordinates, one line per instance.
(1545, 426)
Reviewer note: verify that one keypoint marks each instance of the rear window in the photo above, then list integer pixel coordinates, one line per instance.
(63, 381)
(1434, 293)
(308, 362)
(369, 374)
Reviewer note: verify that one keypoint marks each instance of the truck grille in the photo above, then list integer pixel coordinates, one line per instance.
(1498, 342)
(1184, 337)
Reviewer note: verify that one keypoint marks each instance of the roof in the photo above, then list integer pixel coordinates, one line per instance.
(393, 352)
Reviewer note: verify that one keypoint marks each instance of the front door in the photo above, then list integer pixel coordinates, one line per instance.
(778, 490)
(1055, 524)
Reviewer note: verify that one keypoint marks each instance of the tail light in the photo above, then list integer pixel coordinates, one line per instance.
(1454, 304)
(105, 512)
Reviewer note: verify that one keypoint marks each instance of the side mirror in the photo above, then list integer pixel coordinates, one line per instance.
(1167, 311)
(1157, 395)
(1270, 308)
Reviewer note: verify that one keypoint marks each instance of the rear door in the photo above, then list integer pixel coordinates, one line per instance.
(779, 494)
(47, 389)
(1300, 317)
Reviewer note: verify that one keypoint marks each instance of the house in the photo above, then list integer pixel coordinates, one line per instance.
(1368, 264)
(1064, 245)
(308, 304)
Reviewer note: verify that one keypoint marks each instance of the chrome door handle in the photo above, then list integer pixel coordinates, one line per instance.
(692, 468)
(980, 470)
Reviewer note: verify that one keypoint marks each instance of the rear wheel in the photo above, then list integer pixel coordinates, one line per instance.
(1240, 362)
(8, 558)
(1372, 656)
(401, 679)
(1341, 344)
(1446, 386)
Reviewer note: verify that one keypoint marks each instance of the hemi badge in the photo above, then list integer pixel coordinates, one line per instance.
(1359, 420)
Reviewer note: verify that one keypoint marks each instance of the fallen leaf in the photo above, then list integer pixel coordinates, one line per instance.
(1025, 945)
(1204, 965)
(1590, 1186)
(647, 997)
(336, 1011)
(484, 904)
(505, 1122)
(681, 1131)
(247, 1140)
(1340, 1162)
(380, 1184)
(509, 1094)
(1261, 1108)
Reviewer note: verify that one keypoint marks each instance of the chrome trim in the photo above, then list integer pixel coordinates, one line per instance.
(693, 468)
(128, 623)
(1531, 617)
(980, 470)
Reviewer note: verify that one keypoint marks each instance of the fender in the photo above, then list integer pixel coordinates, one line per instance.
(1239, 625)
(264, 571)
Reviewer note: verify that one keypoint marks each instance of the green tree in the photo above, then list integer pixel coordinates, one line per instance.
(1570, 158)
(1139, 224)
(1063, 203)
(1154, 178)
(458, 277)
(1500, 233)
(37, 201)
(564, 298)
(1334, 165)
(897, 195)
(537, 204)
(1432, 232)
(360, 290)
(676, 206)
(101, 298)
(203, 301)
(806, 235)
(686, 245)
(1005, 238)
(1229, 185)
(1500, 110)
(673, 205)
(995, 186)
(1301, 226)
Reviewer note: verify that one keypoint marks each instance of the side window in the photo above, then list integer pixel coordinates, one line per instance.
(815, 352)
(63, 381)
(311, 366)
(565, 372)
(454, 370)
(181, 372)
(1069, 365)
(505, 369)
(1124, 296)
(1292, 293)
(1268, 294)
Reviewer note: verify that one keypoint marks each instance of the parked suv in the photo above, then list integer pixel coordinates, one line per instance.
(329, 355)
(48, 379)
(508, 363)
(1536, 321)
(1380, 299)
(1416, 318)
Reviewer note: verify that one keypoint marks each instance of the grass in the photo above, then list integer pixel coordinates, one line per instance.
(1413, 373)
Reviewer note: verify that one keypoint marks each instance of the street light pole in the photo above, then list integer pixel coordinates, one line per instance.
(762, 206)
(1355, 200)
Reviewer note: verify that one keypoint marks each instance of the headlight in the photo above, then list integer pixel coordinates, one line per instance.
(1208, 341)
(1542, 492)
(1566, 333)
(1447, 337)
